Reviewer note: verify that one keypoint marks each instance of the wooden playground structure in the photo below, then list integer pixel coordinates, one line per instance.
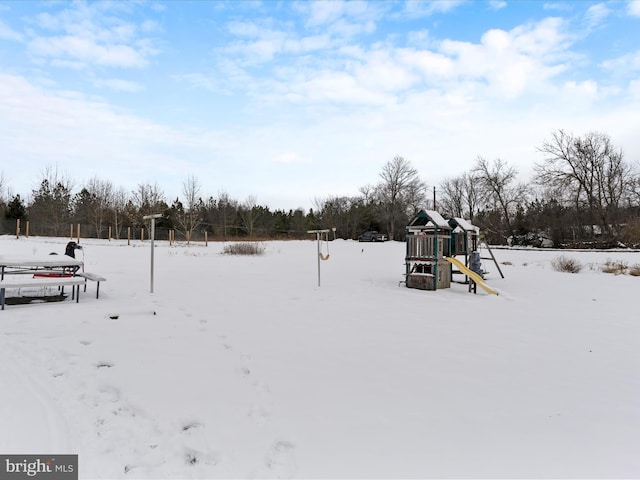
(432, 247)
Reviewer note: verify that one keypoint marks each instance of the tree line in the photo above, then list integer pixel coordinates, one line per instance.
(583, 194)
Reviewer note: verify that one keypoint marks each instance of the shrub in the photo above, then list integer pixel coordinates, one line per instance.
(635, 270)
(245, 248)
(565, 264)
(618, 267)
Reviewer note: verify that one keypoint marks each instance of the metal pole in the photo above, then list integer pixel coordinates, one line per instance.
(318, 241)
(153, 235)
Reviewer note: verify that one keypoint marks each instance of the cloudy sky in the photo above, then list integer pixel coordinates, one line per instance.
(297, 100)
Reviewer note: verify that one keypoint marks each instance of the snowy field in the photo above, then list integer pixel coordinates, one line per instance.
(242, 367)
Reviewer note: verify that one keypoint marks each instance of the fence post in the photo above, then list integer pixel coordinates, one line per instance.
(27, 229)
(71, 231)
(109, 233)
(17, 228)
(78, 234)
(128, 235)
(206, 241)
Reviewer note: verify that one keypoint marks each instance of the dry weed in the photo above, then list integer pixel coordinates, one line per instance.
(245, 248)
(566, 264)
(617, 267)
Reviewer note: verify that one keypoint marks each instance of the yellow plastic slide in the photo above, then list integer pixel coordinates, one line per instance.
(471, 274)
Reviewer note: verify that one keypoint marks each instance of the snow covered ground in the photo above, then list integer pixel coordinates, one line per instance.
(241, 367)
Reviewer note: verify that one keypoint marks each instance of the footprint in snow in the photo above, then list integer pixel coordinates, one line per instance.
(191, 426)
(281, 459)
(259, 414)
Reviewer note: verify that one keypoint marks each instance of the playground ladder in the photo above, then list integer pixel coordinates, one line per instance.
(483, 240)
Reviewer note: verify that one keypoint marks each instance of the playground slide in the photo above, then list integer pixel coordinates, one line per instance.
(471, 274)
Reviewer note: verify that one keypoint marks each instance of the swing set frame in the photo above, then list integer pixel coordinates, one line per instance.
(319, 239)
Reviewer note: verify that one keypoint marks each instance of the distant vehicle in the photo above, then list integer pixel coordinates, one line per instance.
(372, 236)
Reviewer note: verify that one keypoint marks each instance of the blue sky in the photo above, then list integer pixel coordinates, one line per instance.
(290, 102)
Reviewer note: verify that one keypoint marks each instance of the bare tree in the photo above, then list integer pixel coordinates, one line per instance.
(102, 194)
(451, 200)
(634, 191)
(148, 198)
(399, 193)
(591, 170)
(119, 205)
(51, 203)
(190, 217)
(368, 193)
(249, 213)
(227, 209)
(3, 186)
(499, 189)
(345, 214)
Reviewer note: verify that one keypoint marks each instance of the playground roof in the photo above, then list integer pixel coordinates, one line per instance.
(424, 217)
(462, 223)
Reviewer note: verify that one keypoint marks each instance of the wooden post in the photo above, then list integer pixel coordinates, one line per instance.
(109, 233)
(71, 231)
(17, 228)
(128, 235)
(142, 234)
(206, 241)
(27, 229)
(188, 237)
(78, 234)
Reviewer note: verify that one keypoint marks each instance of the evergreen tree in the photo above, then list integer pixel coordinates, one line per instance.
(16, 209)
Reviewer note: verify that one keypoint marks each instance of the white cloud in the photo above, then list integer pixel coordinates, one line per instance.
(89, 34)
(7, 33)
(596, 14)
(430, 64)
(497, 4)
(624, 64)
(428, 8)
(509, 62)
(323, 101)
(90, 137)
(558, 6)
(633, 8)
(349, 16)
(86, 51)
(419, 39)
(505, 64)
(292, 157)
(335, 87)
(118, 85)
(634, 89)
(258, 44)
(325, 12)
(586, 91)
